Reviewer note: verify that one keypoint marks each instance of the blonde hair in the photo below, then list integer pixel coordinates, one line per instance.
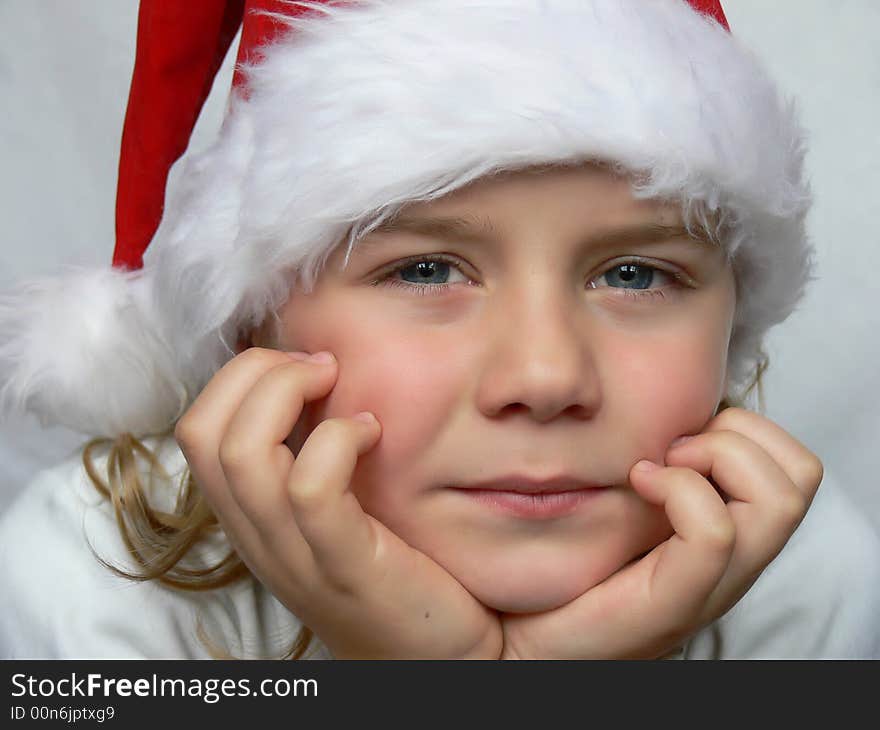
(159, 541)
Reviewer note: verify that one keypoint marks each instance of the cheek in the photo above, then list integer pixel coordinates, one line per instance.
(412, 388)
(408, 380)
(668, 386)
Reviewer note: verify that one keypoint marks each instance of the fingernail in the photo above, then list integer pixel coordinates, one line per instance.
(297, 355)
(680, 440)
(645, 465)
(365, 416)
(322, 357)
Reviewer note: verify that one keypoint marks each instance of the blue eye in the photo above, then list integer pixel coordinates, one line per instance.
(435, 274)
(426, 272)
(424, 275)
(633, 279)
(634, 275)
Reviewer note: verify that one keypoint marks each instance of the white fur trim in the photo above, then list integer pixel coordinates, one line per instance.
(368, 106)
(82, 350)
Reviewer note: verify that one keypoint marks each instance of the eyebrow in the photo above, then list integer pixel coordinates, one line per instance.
(443, 227)
(480, 231)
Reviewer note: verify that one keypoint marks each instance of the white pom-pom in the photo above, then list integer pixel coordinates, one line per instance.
(83, 350)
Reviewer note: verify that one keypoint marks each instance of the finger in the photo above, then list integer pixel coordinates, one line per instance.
(200, 430)
(202, 427)
(766, 509)
(219, 399)
(689, 565)
(255, 459)
(802, 466)
(766, 506)
(341, 536)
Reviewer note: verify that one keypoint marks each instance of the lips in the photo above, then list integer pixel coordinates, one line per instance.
(532, 485)
(532, 498)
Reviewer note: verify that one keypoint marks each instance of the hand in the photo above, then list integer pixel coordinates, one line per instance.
(721, 544)
(301, 531)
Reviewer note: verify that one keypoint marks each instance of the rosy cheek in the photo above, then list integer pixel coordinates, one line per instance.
(666, 387)
(405, 379)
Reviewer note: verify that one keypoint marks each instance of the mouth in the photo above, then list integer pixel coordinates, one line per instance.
(533, 498)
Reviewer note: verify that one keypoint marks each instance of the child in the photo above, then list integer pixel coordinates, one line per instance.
(420, 335)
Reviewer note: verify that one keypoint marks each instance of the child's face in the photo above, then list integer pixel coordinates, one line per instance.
(521, 367)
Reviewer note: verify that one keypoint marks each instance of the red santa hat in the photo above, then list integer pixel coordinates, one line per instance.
(341, 114)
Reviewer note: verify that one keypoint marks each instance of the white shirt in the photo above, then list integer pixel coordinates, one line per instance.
(819, 599)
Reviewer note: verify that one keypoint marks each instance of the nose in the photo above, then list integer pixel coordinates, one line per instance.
(538, 360)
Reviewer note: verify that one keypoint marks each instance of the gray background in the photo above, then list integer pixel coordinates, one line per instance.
(64, 73)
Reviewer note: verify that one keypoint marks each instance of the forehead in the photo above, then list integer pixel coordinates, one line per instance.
(588, 203)
(586, 190)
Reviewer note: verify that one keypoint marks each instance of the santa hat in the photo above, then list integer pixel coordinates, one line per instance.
(344, 112)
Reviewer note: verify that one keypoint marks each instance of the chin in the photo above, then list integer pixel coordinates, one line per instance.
(533, 586)
(532, 600)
